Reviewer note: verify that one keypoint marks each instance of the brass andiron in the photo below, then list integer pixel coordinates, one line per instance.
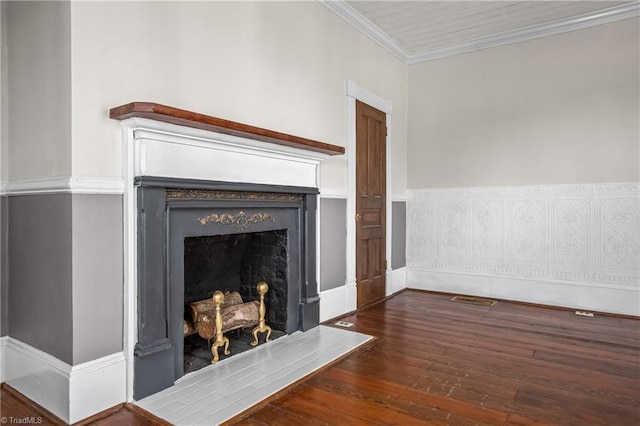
(218, 300)
(261, 327)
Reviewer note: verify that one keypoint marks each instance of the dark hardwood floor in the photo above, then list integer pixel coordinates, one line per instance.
(439, 362)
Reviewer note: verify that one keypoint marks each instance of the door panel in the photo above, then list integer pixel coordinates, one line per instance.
(371, 135)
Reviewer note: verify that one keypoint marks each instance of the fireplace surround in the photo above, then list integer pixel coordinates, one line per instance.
(182, 167)
(173, 213)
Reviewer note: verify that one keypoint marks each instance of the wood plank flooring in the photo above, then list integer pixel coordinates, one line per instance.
(438, 362)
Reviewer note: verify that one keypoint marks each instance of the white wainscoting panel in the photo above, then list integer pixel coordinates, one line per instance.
(72, 393)
(564, 245)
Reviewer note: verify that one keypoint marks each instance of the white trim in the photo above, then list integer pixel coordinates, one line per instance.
(96, 385)
(349, 14)
(96, 185)
(554, 293)
(616, 13)
(333, 303)
(130, 250)
(355, 92)
(170, 150)
(624, 189)
(72, 393)
(39, 376)
(396, 280)
(3, 188)
(3, 348)
(333, 193)
(352, 296)
(587, 20)
(369, 98)
(389, 201)
(351, 190)
(65, 185)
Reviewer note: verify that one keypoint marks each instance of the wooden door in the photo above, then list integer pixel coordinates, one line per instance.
(371, 132)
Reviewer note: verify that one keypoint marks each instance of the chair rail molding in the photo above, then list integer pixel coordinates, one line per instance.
(64, 185)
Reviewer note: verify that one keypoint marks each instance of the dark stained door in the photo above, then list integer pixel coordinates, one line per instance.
(371, 132)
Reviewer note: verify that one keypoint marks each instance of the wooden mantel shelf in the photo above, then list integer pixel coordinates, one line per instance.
(182, 117)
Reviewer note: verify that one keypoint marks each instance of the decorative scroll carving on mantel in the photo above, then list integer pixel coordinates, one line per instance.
(168, 114)
(197, 194)
(242, 221)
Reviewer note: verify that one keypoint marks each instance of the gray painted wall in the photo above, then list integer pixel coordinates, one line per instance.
(97, 272)
(64, 287)
(40, 273)
(398, 234)
(4, 278)
(333, 243)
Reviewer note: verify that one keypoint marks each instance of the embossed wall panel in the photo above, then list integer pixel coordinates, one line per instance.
(582, 235)
(453, 227)
(619, 233)
(488, 230)
(527, 232)
(421, 241)
(572, 236)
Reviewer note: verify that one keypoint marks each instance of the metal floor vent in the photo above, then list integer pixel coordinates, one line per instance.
(474, 300)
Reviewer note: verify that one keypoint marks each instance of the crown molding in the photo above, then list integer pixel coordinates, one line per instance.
(578, 22)
(342, 9)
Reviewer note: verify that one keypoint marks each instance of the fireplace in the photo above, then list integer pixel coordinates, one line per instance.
(233, 264)
(197, 183)
(236, 263)
(196, 237)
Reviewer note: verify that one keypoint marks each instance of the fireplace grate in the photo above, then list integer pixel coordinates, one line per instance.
(473, 300)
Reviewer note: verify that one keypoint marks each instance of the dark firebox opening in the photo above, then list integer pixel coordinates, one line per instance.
(237, 262)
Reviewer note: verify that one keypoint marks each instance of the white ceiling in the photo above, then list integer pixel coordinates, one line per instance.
(421, 30)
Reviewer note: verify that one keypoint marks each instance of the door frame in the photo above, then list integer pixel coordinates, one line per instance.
(355, 92)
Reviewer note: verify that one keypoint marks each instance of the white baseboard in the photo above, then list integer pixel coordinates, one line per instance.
(39, 376)
(333, 303)
(341, 300)
(97, 385)
(3, 345)
(554, 293)
(396, 281)
(72, 393)
(352, 296)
